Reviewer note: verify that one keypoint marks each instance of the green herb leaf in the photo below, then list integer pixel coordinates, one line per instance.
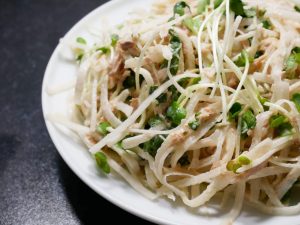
(102, 162)
(244, 160)
(175, 113)
(266, 24)
(194, 124)
(202, 5)
(286, 129)
(277, 120)
(248, 122)
(104, 50)
(81, 40)
(195, 80)
(297, 8)
(179, 8)
(234, 111)
(241, 61)
(79, 57)
(176, 48)
(114, 39)
(153, 145)
(102, 128)
(296, 100)
(237, 7)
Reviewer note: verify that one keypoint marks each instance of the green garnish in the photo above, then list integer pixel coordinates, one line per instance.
(281, 125)
(79, 57)
(104, 50)
(202, 5)
(297, 8)
(81, 40)
(237, 7)
(248, 122)
(233, 166)
(285, 129)
(244, 160)
(234, 111)
(176, 113)
(179, 8)
(195, 80)
(194, 124)
(176, 48)
(114, 39)
(101, 160)
(241, 61)
(266, 24)
(296, 100)
(277, 120)
(153, 145)
(292, 62)
(102, 128)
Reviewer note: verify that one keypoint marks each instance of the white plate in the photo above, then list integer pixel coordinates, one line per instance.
(77, 157)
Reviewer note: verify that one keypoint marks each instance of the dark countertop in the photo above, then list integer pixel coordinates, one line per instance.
(36, 186)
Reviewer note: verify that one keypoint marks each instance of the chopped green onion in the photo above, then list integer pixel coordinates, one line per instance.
(234, 111)
(114, 39)
(195, 80)
(179, 8)
(241, 61)
(102, 128)
(153, 145)
(277, 120)
(233, 166)
(102, 163)
(79, 57)
(266, 24)
(176, 48)
(237, 7)
(176, 113)
(81, 40)
(296, 100)
(244, 160)
(194, 124)
(248, 122)
(286, 129)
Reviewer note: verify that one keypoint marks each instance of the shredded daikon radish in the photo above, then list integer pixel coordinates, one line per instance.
(195, 101)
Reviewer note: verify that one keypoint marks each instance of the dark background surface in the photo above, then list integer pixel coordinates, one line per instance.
(36, 186)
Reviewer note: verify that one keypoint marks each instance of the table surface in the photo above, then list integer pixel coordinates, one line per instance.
(36, 185)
